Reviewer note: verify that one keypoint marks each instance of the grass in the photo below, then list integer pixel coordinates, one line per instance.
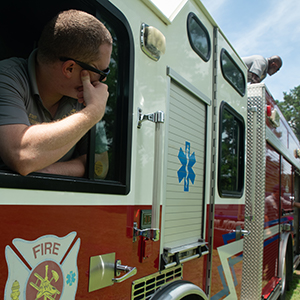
(294, 292)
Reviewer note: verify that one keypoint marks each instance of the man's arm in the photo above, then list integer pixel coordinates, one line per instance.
(26, 149)
(74, 167)
(254, 78)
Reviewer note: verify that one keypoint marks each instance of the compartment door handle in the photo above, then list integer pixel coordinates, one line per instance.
(130, 271)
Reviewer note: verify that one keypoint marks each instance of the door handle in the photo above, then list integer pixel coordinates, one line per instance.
(130, 271)
(245, 232)
(239, 232)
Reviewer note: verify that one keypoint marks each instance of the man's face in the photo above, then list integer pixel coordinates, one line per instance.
(101, 64)
(273, 68)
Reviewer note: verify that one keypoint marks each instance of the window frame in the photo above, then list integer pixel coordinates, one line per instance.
(201, 25)
(225, 52)
(241, 155)
(123, 137)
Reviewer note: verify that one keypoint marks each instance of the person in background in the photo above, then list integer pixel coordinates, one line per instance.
(259, 67)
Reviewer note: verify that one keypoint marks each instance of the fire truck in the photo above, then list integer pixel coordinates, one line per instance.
(203, 173)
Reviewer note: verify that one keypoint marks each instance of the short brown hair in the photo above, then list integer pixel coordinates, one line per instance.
(75, 34)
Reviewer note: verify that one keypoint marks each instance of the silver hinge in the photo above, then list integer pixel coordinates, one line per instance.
(156, 117)
(150, 233)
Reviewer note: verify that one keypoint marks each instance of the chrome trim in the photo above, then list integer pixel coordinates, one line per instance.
(253, 244)
(172, 257)
(150, 233)
(183, 248)
(186, 84)
(253, 110)
(156, 117)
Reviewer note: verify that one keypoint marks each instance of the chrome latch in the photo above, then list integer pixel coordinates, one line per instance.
(239, 232)
(286, 227)
(156, 117)
(130, 271)
(150, 233)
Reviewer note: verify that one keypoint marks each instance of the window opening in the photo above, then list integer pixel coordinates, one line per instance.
(109, 154)
(231, 152)
(198, 37)
(232, 73)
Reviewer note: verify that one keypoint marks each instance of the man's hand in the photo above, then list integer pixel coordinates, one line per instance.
(94, 94)
(74, 167)
(254, 78)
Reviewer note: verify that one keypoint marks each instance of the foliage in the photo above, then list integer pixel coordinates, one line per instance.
(294, 292)
(229, 154)
(290, 108)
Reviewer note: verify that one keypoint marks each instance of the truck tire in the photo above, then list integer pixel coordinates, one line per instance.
(179, 290)
(286, 272)
(283, 280)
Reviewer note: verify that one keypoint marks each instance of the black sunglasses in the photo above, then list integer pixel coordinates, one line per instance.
(103, 74)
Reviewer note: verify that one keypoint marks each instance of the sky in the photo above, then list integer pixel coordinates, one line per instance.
(264, 27)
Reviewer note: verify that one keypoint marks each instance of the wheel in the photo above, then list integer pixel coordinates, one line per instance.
(179, 290)
(289, 265)
(286, 270)
(283, 280)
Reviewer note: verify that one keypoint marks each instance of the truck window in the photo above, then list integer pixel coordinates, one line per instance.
(232, 73)
(109, 142)
(198, 37)
(231, 152)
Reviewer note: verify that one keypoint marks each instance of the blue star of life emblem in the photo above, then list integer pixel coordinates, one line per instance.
(186, 171)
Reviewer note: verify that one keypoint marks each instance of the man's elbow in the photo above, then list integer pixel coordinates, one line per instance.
(24, 171)
(22, 167)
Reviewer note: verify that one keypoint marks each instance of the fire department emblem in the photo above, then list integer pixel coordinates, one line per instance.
(43, 269)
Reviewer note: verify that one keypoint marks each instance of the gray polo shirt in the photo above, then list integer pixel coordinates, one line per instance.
(256, 64)
(20, 102)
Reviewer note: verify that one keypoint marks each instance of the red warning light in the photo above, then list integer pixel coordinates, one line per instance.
(269, 110)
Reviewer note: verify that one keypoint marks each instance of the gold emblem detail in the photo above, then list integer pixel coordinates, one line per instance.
(45, 289)
(15, 290)
(98, 168)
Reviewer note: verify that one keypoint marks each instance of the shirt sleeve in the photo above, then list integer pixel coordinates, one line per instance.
(12, 98)
(258, 67)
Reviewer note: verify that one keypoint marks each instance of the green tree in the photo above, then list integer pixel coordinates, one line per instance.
(290, 108)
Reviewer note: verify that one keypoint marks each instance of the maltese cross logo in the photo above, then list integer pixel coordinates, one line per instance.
(186, 172)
